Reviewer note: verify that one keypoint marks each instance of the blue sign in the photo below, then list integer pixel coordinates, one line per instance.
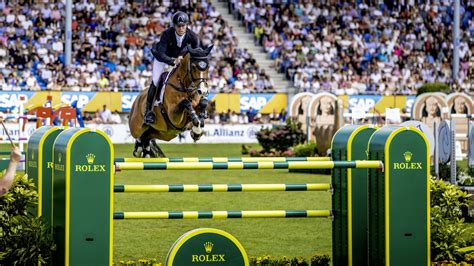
(254, 100)
(366, 102)
(9, 99)
(82, 98)
(127, 100)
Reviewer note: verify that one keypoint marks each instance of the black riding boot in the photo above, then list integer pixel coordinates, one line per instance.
(149, 114)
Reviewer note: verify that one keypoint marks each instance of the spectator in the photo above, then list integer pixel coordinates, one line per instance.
(6, 181)
(115, 118)
(87, 118)
(105, 115)
(113, 38)
(371, 47)
(224, 117)
(251, 115)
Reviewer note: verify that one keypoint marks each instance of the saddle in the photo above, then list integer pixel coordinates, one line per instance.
(161, 84)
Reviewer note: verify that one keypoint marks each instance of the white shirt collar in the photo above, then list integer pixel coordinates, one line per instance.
(179, 39)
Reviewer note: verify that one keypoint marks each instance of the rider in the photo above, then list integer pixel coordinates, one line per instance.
(167, 52)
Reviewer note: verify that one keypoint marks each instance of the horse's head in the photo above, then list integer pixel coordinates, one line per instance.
(197, 64)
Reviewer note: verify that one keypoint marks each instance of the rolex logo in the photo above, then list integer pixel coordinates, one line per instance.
(208, 257)
(408, 164)
(208, 247)
(59, 157)
(407, 156)
(32, 156)
(90, 158)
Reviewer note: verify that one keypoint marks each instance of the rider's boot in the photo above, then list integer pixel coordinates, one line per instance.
(150, 116)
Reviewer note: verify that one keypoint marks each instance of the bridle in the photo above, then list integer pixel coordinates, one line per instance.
(195, 82)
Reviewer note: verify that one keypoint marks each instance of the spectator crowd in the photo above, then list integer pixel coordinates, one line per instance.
(371, 46)
(111, 42)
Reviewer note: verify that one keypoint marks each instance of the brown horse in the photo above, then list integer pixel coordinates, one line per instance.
(183, 106)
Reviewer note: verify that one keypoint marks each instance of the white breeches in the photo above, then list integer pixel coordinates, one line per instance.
(158, 68)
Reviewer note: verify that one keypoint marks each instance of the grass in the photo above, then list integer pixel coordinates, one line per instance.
(136, 239)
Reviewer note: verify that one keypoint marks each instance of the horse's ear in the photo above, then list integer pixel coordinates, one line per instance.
(186, 49)
(209, 49)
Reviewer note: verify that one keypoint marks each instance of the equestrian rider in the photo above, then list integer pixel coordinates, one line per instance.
(167, 52)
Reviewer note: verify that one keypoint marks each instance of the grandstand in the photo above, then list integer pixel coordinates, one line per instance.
(366, 47)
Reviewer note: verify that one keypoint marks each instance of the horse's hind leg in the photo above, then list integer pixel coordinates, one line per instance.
(147, 153)
(138, 149)
(156, 150)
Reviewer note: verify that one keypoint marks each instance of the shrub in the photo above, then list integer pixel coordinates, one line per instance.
(320, 260)
(447, 224)
(24, 239)
(306, 150)
(281, 138)
(316, 260)
(464, 176)
(433, 87)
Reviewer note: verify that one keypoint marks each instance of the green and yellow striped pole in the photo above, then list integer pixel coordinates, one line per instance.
(222, 159)
(223, 214)
(222, 188)
(246, 165)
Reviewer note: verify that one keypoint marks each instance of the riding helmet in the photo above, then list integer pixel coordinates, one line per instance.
(180, 18)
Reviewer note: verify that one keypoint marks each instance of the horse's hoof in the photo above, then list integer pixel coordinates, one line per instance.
(137, 153)
(195, 136)
(197, 130)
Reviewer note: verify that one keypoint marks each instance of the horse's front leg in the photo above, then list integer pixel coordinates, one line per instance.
(198, 123)
(188, 106)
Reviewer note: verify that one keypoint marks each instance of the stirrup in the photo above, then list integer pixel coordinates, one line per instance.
(150, 117)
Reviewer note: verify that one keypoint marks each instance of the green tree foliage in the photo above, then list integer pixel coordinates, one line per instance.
(24, 239)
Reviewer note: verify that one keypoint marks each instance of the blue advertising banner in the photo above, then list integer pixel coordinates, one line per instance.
(256, 101)
(82, 98)
(9, 99)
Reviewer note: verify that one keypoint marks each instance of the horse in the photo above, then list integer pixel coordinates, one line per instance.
(182, 107)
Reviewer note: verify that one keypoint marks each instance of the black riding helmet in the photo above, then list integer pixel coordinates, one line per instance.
(180, 18)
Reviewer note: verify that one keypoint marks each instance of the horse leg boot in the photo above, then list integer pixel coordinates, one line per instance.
(137, 151)
(203, 110)
(187, 105)
(203, 107)
(196, 130)
(150, 116)
(146, 148)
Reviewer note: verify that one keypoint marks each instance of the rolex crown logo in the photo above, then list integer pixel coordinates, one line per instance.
(59, 157)
(208, 246)
(32, 156)
(407, 156)
(90, 158)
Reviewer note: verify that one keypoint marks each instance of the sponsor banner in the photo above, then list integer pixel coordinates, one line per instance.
(14, 131)
(9, 99)
(120, 133)
(127, 100)
(122, 101)
(212, 133)
(264, 103)
(254, 101)
(377, 103)
(82, 98)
